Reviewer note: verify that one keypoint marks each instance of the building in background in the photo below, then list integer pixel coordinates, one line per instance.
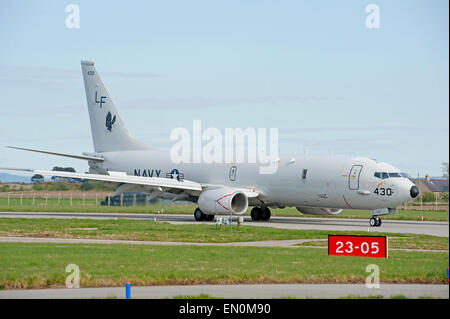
(431, 185)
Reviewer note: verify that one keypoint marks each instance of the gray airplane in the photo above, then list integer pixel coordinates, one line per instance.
(314, 185)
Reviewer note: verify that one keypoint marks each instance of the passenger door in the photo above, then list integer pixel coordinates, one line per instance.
(353, 177)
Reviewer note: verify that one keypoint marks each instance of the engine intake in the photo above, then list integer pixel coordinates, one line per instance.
(223, 201)
(319, 210)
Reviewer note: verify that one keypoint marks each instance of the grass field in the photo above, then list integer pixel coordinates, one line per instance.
(43, 265)
(51, 205)
(123, 229)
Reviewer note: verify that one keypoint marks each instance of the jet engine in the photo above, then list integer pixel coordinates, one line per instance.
(319, 210)
(223, 201)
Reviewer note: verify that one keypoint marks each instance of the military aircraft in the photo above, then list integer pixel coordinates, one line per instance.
(313, 184)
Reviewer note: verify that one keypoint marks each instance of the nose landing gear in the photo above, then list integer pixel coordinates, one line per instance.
(375, 222)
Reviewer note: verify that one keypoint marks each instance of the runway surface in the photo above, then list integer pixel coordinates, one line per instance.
(237, 291)
(336, 224)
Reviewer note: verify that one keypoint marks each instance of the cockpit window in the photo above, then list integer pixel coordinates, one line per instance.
(384, 175)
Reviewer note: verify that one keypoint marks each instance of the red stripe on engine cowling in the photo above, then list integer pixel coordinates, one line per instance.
(217, 201)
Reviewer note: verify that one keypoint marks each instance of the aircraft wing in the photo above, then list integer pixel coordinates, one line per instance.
(122, 178)
(128, 182)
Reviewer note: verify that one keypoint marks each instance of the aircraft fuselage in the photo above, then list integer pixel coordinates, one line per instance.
(312, 181)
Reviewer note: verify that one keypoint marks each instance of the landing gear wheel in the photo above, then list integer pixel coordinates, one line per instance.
(209, 217)
(198, 215)
(375, 222)
(256, 213)
(265, 213)
(378, 222)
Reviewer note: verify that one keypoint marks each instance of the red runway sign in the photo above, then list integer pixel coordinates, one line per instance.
(363, 246)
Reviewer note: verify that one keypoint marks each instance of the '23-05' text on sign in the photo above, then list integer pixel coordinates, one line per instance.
(363, 246)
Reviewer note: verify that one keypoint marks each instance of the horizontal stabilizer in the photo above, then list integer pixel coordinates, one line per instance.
(82, 157)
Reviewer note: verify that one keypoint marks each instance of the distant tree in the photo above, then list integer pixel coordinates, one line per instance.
(444, 196)
(445, 169)
(428, 197)
(62, 169)
(37, 178)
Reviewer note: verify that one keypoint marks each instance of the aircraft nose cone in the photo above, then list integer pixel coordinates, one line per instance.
(414, 191)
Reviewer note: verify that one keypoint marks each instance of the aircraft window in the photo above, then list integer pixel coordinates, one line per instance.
(384, 175)
(394, 175)
(377, 174)
(403, 175)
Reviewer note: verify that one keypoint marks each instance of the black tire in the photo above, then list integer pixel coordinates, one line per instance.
(255, 214)
(198, 215)
(209, 217)
(265, 213)
(378, 222)
(373, 222)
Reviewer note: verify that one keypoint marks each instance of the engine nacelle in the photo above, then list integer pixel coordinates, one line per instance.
(223, 201)
(319, 210)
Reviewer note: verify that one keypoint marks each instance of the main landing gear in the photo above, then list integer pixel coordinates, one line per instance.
(375, 222)
(260, 213)
(201, 216)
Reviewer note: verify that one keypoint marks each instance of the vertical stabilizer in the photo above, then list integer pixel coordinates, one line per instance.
(108, 131)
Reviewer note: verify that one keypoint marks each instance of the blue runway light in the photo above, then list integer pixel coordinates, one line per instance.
(128, 290)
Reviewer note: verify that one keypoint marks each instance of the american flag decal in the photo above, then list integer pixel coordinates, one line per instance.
(175, 174)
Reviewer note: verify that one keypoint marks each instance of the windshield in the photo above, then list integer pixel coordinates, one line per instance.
(384, 175)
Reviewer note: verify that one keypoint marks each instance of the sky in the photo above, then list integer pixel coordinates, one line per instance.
(312, 69)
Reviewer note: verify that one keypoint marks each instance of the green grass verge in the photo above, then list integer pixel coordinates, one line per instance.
(29, 265)
(77, 206)
(146, 230)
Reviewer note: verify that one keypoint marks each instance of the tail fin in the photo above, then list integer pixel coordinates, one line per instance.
(108, 131)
